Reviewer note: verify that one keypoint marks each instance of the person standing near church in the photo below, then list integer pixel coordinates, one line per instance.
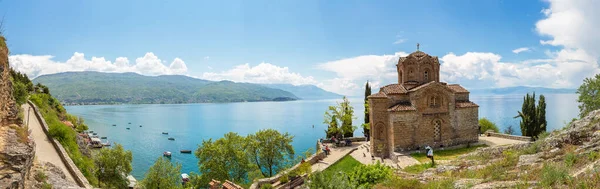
(430, 155)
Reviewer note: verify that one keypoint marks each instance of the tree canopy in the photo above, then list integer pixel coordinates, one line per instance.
(343, 112)
(366, 125)
(589, 95)
(224, 159)
(270, 150)
(113, 166)
(163, 174)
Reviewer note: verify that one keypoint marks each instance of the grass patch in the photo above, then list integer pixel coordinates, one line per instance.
(446, 154)
(499, 170)
(554, 175)
(402, 183)
(346, 165)
(418, 168)
(40, 176)
(22, 133)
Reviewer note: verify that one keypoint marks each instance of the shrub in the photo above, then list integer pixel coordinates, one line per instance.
(40, 176)
(266, 186)
(486, 124)
(418, 168)
(593, 155)
(553, 175)
(22, 133)
(400, 183)
(284, 178)
(570, 160)
(368, 175)
(46, 186)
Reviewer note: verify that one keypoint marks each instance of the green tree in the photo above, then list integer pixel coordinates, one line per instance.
(340, 180)
(589, 95)
(20, 93)
(113, 166)
(224, 159)
(269, 150)
(486, 124)
(369, 175)
(162, 175)
(343, 112)
(366, 124)
(532, 121)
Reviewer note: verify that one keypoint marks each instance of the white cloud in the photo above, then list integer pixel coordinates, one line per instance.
(149, 64)
(261, 73)
(206, 57)
(520, 50)
(399, 41)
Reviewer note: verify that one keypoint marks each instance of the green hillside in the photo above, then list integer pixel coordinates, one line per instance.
(115, 88)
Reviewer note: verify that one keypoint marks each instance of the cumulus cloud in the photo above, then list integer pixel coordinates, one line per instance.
(149, 64)
(261, 73)
(520, 50)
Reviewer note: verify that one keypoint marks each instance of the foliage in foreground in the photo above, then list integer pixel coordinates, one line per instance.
(589, 95)
(113, 167)
(163, 174)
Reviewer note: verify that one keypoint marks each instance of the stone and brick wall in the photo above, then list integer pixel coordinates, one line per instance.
(507, 136)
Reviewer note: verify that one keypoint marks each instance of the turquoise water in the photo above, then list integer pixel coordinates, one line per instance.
(189, 124)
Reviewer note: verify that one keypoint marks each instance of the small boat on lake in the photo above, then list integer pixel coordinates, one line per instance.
(171, 138)
(106, 143)
(185, 151)
(114, 124)
(102, 137)
(129, 123)
(167, 154)
(165, 133)
(140, 125)
(94, 133)
(96, 143)
(127, 128)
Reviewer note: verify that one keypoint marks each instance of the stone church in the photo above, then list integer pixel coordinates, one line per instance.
(420, 110)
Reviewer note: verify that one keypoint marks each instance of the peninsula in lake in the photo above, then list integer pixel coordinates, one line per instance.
(132, 88)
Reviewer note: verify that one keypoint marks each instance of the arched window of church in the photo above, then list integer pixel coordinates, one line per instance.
(437, 130)
(379, 131)
(434, 101)
(401, 79)
(411, 75)
(426, 76)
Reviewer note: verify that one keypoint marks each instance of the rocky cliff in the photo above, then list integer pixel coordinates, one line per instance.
(17, 149)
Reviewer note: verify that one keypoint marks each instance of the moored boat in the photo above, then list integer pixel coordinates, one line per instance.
(140, 125)
(165, 133)
(114, 124)
(171, 138)
(185, 151)
(167, 154)
(102, 137)
(96, 143)
(127, 128)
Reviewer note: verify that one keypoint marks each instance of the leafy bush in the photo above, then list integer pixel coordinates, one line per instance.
(46, 186)
(339, 180)
(486, 124)
(593, 155)
(266, 186)
(400, 183)
(284, 178)
(368, 175)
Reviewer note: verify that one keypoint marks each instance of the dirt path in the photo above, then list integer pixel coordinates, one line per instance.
(44, 150)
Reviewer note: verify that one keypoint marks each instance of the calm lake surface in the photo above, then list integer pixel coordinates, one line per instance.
(189, 124)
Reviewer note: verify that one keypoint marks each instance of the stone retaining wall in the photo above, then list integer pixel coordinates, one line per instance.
(506, 136)
(64, 156)
(352, 139)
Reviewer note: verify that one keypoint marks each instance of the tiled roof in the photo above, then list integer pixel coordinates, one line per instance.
(457, 88)
(378, 95)
(421, 86)
(394, 89)
(466, 105)
(230, 185)
(402, 107)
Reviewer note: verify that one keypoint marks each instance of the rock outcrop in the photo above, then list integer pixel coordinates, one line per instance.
(17, 149)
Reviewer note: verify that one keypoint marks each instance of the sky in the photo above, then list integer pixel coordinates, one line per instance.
(337, 45)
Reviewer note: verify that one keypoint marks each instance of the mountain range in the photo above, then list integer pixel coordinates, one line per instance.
(117, 88)
(522, 90)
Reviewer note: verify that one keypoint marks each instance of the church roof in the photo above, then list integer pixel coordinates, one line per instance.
(456, 88)
(467, 104)
(394, 89)
(422, 86)
(402, 107)
(378, 95)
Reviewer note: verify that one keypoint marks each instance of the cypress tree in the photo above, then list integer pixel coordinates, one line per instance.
(367, 94)
(533, 119)
(541, 115)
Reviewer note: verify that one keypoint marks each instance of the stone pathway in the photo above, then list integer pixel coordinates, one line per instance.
(497, 141)
(44, 150)
(336, 154)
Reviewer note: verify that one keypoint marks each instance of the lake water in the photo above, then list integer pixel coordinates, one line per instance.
(189, 124)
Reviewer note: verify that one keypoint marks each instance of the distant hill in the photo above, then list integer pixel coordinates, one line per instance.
(115, 88)
(522, 90)
(306, 92)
